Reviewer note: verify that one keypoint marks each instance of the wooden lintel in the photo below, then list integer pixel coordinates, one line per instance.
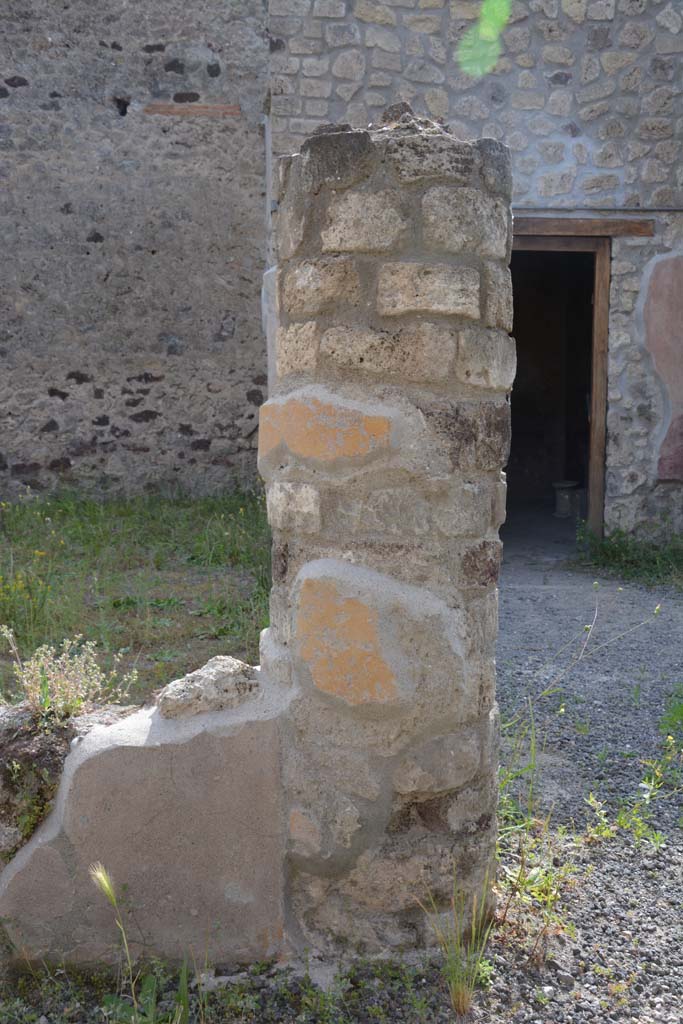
(193, 109)
(556, 243)
(588, 227)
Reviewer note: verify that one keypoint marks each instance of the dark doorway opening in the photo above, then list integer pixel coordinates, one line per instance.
(551, 397)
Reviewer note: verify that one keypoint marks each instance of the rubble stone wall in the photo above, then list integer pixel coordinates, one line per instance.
(132, 169)
(382, 445)
(587, 96)
(586, 93)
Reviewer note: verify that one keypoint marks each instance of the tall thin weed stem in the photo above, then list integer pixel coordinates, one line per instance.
(462, 935)
(104, 883)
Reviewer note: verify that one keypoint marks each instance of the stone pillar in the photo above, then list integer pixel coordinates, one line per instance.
(382, 445)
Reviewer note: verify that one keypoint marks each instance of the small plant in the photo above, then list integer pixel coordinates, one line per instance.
(672, 719)
(36, 788)
(57, 683)
(139, 1005)
(462, 935)
(601, 828)
(663, 778)
(418, 1002)
(320, 1005)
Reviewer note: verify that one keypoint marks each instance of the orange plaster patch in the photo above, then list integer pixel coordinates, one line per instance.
(339, 640)
(320, 430)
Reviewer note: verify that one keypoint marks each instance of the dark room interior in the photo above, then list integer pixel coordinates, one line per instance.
(553, 294)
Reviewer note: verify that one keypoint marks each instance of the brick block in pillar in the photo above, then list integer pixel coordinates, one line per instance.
(382, 446)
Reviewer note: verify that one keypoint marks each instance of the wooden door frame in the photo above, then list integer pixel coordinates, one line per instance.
(601, 246)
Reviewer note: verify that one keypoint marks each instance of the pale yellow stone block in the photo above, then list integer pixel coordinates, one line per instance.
(428, 288)
(316, 286)
(296, 348)
(363, 222)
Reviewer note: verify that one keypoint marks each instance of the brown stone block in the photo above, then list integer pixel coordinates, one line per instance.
(480, 563)
(364, 639)
(337, 159)
(480, 611)
(194, 109)
(417, 158)
(496, 167)
(293, 506)
(476, 434)
(375, 907)
(375, 13)
(418, 352)
(338, 638)
(451, 569)
(473, 809)
(440, 765)
(406, 512)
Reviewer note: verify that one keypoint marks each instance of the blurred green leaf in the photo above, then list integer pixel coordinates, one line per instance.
(478, 55)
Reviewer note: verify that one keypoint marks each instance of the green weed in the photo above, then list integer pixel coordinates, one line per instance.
(601, 827)
(58, 683)
(671, 723)
(662, 778)
(647, 561)
(34, 789)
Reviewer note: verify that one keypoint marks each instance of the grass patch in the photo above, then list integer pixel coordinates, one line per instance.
(168, 582)
(642, 560)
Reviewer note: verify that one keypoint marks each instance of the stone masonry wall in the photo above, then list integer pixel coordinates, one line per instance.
(587, 94)
(131, 212)
(382, 445)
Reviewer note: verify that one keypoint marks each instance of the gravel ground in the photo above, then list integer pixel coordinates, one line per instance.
(625, 961)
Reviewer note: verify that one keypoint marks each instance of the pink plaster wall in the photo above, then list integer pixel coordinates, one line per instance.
(664, 338)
